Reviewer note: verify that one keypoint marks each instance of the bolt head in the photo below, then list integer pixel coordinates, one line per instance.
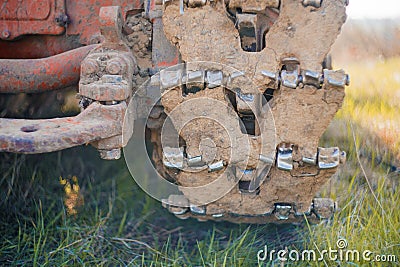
(6, 34)
(116, 66)
(96, 39)
(62, 20)
(89, 66)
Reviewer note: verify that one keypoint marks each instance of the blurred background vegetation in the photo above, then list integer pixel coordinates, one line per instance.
(70, 208)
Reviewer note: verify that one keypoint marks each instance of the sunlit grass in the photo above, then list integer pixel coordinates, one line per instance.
(373, 99)
(367, 186)
(368, 197)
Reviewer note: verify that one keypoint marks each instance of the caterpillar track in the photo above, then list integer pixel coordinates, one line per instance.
(264, 60)
(232, 96)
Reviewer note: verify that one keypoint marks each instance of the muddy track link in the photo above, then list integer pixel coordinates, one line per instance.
(284, 181)
(279, 101)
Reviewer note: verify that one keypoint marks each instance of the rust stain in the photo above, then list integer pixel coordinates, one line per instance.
(168, 63)
(95, 123)
(30, 75)
(43, 35)
(30, 17)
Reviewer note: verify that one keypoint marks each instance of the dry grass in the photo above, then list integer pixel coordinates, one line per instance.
(373, 99)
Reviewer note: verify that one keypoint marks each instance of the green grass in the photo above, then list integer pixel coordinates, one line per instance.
(70, 208)
(373, 99)
(115, 224)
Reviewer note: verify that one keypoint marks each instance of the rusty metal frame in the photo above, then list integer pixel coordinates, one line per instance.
(40, 75)
(68, 25)
(39, 136)
(101, 121)
(30, 17)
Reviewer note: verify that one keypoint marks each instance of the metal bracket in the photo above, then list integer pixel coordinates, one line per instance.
(328, 158)
(101, 122)
(284, 158)
(173, 157)
(40, 136)
(282, 211)
(198, 210)
(214, 79)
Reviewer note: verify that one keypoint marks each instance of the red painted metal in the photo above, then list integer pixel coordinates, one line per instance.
(39, 75)
(38, 46)
(101, 122)
(40, 37)
(19, 17)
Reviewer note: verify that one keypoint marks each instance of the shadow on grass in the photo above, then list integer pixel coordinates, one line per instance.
(72, 208)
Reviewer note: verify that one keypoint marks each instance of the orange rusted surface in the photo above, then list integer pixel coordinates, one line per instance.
(19, 17)
(84, 15)
(39, 75)
(41, 28)
(106, 73)
(37, 46)
(39, 136)
(99, 123)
